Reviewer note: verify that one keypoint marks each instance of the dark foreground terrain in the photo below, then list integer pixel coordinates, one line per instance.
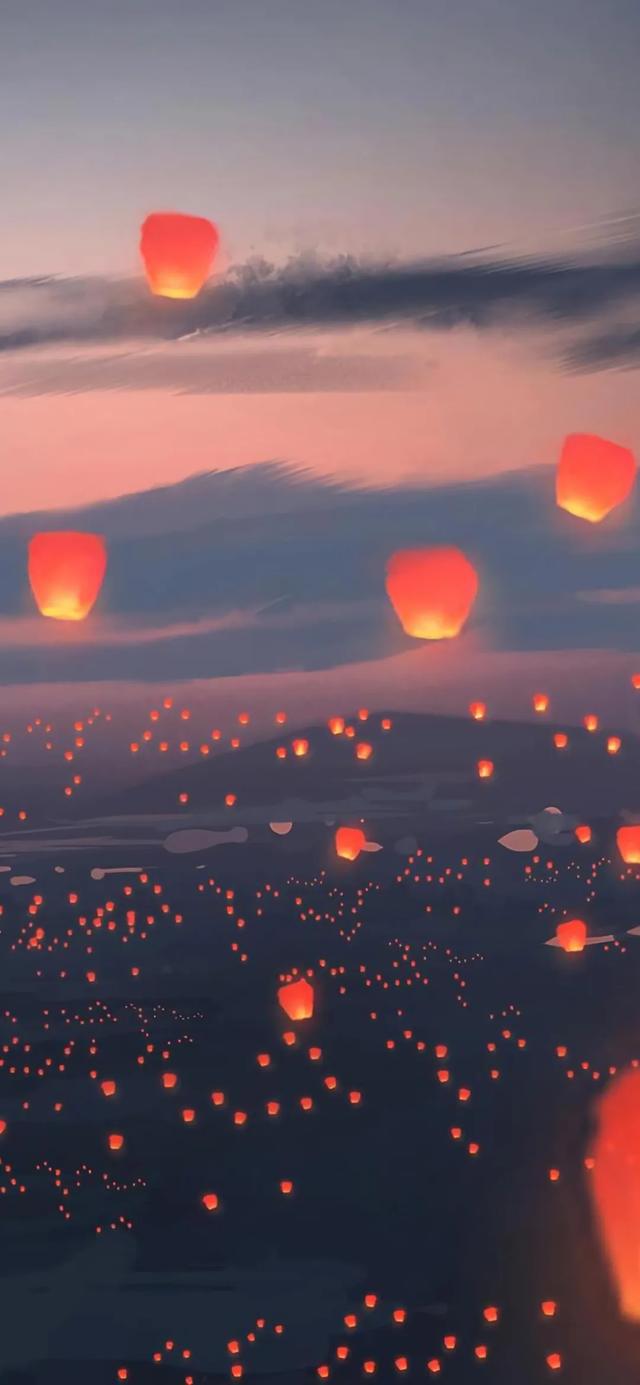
(420, 1139)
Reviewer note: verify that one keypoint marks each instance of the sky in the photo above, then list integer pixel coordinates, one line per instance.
(416, 129)
(429, 273)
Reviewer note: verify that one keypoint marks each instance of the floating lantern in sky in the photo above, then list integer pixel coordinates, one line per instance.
(296, 999)
(432, 591)
(350, 841)
(572, 935)
(485, 769)
(593, 476)
(614, 1184)
(178, 252)
(540, 702)
(66, 571)
(628, 843)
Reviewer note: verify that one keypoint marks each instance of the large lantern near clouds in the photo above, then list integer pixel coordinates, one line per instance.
(66, 572)
(178, 252)
(593, 477)
(432, 591)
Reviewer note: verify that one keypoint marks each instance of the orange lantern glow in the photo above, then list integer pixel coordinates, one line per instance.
(583, 833)
(300, 747)
(66, 572)
(432, 591)
(628, 844)
(296, 999)
(478, 710)
(350, 841)
(485, 769)
(561, 740)
(614, 1185)
(572, 935)
(591, 721)
(364, 750)
(336, 725)
(540, 702)
(178, 253)
(593, 476)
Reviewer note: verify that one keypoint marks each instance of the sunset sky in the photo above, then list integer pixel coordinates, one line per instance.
(428, 271)
(424, 128)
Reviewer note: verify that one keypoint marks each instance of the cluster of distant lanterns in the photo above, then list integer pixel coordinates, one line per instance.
(432, 590)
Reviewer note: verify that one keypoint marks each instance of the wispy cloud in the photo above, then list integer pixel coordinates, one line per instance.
(436, 295)
(617, 348)
(191, 368)
(33, 632)
(611, 596)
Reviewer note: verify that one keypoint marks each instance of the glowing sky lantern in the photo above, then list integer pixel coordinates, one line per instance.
(628, 843)
(614, 1184)
(540, 702)
(178, 252)
(478, 710)
(593, 476)
(572, 935)
(485, 769)
(583, 833)
(432, 591)
(350, 841)
(296, 999)
(66, 572)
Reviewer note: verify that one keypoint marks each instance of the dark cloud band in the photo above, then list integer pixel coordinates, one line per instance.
(433, 295)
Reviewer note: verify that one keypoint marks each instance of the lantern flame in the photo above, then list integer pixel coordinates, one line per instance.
(296, 999)
(593, 477)
(628, 843)
(572, 935)
(178, 253)
(614, 1184)
(350, 841)
(66, 571)
(432, 591)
